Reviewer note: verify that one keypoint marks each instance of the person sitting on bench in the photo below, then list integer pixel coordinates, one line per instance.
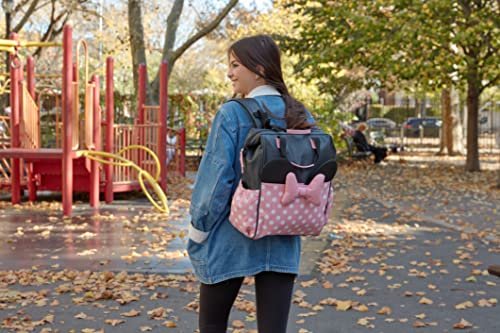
(362, 144)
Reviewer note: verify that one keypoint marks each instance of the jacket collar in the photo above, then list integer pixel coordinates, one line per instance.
(263, 90)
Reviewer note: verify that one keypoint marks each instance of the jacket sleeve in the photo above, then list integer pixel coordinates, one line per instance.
(211, 198)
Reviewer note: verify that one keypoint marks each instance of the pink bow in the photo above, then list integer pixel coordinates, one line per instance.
(311, 192)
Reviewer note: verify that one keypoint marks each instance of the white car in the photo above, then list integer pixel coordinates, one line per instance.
(380, 123)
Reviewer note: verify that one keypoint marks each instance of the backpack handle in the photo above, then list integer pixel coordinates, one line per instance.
(298, 131)
(281, 145)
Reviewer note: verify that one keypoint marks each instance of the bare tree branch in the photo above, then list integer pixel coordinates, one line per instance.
(26, 16)
(172, 55)
(206, 30)
(20, 5)
(51, 32)
(172, 26)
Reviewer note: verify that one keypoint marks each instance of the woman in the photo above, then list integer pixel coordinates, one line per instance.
(362, 144)
(220, 254)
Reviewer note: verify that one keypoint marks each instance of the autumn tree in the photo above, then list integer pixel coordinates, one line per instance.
(276, 22)
(171, 50)
(436, 43)
(39, 20)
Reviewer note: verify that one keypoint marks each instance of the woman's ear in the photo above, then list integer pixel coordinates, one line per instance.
(260, 69)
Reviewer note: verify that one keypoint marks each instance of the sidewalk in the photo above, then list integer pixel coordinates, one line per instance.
(406, 250)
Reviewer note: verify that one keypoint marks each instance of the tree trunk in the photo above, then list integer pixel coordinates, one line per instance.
(168, 45)
(457, 133)
(137, 44)
(447, 128)
(418, 110)
(423, 106)
(473, 93)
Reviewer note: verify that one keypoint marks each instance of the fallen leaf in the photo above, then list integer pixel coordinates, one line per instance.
(114, 322)
(425, 300)
(156, 313)
(170, 324)
(131, 313)
(366, 322)
(462, 324)
(307, 314)
(343, 305)
(385, 311)
(327, 285)
(361, 308)
(81, 315)
(361, 292)
(419, 323)
(464, 305)
(48, 319)
(471, 279)
(317, 308)
(306, 284)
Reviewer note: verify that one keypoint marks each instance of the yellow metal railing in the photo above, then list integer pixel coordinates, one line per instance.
(11, 46)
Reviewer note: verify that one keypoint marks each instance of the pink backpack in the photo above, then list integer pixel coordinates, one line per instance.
(285, 187)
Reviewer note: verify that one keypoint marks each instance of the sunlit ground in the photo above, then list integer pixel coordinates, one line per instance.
(489, 160)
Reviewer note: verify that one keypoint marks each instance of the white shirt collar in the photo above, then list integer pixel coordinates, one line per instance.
(263, 90)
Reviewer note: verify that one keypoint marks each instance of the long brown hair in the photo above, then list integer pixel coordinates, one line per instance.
(262, 51)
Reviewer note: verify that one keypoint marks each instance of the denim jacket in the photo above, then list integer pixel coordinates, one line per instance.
(217, 250)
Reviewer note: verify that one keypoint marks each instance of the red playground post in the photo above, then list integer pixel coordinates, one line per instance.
(30, 70)
(96, 138)
(67, 114)
(141, 92)
(15, 72)
(162, 119)
(110, 114)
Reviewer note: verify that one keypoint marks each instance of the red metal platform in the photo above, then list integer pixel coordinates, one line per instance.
(31, 155)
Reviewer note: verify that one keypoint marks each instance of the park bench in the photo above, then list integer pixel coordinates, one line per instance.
(357, 155)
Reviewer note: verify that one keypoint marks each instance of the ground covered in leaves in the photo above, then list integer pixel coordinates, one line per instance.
(406, 250)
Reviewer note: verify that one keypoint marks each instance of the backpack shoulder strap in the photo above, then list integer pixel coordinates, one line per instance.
(261, 116)
(253, 109)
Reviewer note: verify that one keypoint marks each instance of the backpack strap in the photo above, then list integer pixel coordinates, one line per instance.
(261, 116)
(253, 109)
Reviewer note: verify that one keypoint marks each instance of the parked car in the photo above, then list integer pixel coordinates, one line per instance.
(430, 127)
(380, 123)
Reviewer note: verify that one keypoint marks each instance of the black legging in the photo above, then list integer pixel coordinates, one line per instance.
(273, 293)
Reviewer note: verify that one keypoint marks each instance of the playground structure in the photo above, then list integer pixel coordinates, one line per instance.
(79, 131)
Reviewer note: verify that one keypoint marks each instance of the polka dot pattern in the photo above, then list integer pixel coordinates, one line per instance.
(269, 217)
